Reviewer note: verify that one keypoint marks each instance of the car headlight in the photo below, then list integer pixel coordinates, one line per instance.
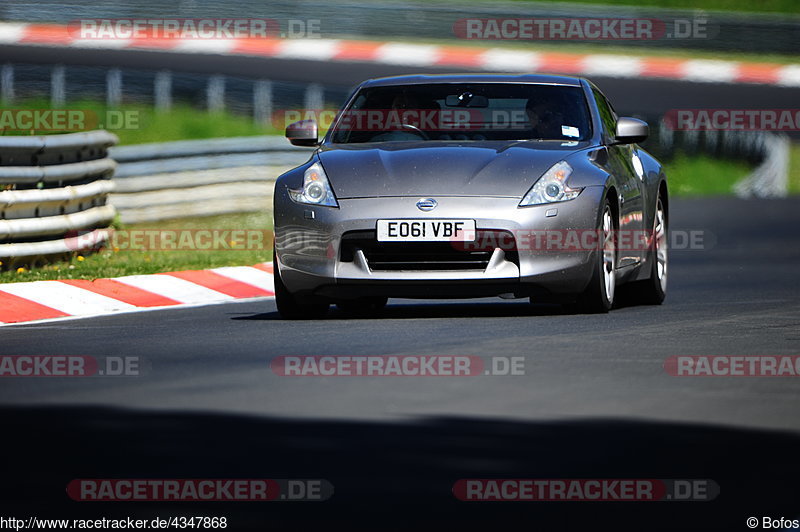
(316, 188)
(551, 187)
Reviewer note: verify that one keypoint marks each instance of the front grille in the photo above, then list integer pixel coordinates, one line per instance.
(423, 256)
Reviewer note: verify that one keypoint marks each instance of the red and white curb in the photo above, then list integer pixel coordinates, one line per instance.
(48, 300)
(422, 55)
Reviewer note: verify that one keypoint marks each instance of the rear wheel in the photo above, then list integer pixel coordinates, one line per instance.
(599, 295)
(652, 291)
(363, 306)
(288, 305)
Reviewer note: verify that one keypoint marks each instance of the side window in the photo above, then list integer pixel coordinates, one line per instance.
(607, 114)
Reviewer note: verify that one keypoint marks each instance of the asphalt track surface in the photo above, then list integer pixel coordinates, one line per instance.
(595, 401)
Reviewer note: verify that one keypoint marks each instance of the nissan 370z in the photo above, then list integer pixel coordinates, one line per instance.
(458, 186)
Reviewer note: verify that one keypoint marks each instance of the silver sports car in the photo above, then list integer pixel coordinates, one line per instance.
(451, 186)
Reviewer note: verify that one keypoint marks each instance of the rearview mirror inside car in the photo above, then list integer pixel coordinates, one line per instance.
(466, 99)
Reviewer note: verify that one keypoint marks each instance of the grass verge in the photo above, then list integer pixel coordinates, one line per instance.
(116, 262)
(794, 169)
(702, 175)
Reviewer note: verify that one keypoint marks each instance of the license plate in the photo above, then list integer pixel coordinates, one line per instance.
(426, 230)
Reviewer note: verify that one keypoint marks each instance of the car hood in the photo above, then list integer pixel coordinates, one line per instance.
(430, 168)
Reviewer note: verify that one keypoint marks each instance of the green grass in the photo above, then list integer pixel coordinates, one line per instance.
(702, 175)
(794, 169)
(182, 122)
(109, 262)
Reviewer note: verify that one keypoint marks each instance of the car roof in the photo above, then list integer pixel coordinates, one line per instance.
(422, 79)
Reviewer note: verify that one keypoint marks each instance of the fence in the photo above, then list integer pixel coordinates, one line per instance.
(163, 89)
(52, 189)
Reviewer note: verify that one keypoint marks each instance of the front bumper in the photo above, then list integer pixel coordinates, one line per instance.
(309, 239)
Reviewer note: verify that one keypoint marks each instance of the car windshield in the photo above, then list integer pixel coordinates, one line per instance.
(464, 112)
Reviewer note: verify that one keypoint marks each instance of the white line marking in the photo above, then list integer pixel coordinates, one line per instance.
(101, 44)
(612, 65)
(137, 310)
(510, 60)
(407, 54)
(174, 288)
(65, 298)
(710, 71)
(12, 33)
(317, 49)
(248, 275)
(789, 76)
(216, 46)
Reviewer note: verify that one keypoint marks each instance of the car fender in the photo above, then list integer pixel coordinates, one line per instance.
(654, 178)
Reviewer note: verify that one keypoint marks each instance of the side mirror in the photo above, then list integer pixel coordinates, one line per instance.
(303, 133)
(631, 130)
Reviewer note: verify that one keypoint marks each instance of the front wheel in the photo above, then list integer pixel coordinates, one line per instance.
(652, 291)
(599, 295)
(288, 305)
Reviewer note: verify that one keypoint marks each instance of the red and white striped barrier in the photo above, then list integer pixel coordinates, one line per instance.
(47, 300)
(423, 55)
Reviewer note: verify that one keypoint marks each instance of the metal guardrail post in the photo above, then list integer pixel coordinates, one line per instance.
(58, 89)
(114, 87)
(262, 102)
(215, 93)
(162, 90)
(7, 84)
(315, 97)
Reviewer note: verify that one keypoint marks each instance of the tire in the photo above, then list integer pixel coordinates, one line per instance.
(288, 306)
(653, 290)
(599, 296)
(363, 306)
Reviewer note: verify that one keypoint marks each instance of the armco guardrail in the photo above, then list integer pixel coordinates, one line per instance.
(771, 178)
(53, 192)
(769, 152)
(200, 177)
